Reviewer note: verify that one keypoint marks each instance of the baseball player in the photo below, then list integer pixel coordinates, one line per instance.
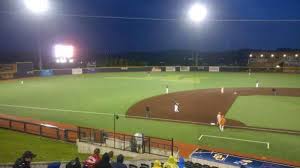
(147, 109)
(222, 123)
(222, 90)
(274, 91)
(167, 89)
(219, 117)
(176, 107)
(257, 84)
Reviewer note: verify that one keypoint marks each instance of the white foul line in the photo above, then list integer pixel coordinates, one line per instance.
(245, 140)
(64, 110)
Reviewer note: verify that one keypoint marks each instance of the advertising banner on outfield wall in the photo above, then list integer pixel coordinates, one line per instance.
(124, 68)
(214, 69)
(184, 69)
(76, 71)
(170, 69)
(47, 72)
(156, 69)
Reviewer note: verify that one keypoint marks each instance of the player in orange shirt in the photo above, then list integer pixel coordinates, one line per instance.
(222, 123)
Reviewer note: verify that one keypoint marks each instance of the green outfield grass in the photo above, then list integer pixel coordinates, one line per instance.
(267, 111)
(13, 144)
(110, 93)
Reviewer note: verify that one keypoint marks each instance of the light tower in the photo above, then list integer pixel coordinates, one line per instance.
(38, 7)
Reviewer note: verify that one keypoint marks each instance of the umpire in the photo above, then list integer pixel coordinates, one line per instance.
(25, 160)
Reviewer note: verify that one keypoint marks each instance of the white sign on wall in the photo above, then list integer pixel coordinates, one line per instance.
(184, 69)
(170, 69)
(214, 69)
(76, 71)
(156, 69)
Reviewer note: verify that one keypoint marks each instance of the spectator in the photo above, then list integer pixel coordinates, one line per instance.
(181, 162)
(157, 164)
(111, 155)
(119, 163)
(74, 163)
(171, 163)
(104, 163)
(92, 160)
(25, 160)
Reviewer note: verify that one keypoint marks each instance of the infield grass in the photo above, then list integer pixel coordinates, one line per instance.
(280, 112)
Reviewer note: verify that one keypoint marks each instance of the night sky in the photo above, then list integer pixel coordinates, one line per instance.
(18, 32)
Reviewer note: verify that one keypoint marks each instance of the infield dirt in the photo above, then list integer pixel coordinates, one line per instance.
(200, 106)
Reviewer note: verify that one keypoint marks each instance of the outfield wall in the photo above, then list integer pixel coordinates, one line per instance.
(25, 71)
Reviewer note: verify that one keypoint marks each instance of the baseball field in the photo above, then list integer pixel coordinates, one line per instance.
(92, 99)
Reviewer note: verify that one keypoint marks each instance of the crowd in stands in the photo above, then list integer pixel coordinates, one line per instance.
(106, 161)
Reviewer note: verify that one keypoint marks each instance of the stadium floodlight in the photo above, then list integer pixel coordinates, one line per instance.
(272, 55)
(197, 13)
(250, 55)
(37, 6)
(296, 55)
(284, 55)
(64, 53)
(277, 66)
(261, 55)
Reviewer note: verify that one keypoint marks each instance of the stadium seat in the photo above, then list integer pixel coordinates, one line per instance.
(144, 165)
(189, 164)
(205, 166)
(54, 165)
(132, 166)
(197, 165)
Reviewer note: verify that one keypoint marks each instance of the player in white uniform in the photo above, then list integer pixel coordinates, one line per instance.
(257, 84)
(222, 90)
(167, 89)
(176, 107)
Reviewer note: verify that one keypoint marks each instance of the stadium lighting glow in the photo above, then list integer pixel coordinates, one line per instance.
(272, 55)
(277, 66)
(63, 53)
(197, 13)
(296, 55)
(261, 55)
(284, 55)
(250, 55)
(37, 6)
(63, 60)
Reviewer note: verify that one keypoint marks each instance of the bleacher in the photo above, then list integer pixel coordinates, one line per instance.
(274, 59)
(130, 164)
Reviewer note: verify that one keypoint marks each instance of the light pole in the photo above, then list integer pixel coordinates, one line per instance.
(196, 14)
(38, 7)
